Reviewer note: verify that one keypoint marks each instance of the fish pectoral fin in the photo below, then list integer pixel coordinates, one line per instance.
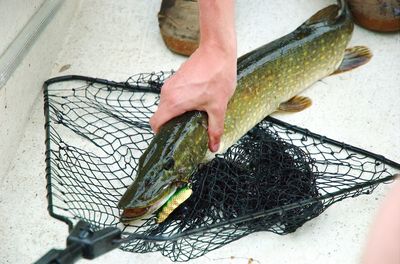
(354, 57)
(295, 104)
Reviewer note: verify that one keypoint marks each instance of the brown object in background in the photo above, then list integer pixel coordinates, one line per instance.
(179, 25)
(378, 15)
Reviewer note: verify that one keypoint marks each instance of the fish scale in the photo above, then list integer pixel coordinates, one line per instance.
(267, 77)
(260, 90)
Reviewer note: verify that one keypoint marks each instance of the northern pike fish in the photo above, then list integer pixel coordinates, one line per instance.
(268, 79)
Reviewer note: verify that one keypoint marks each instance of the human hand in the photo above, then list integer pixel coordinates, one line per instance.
(205, 82)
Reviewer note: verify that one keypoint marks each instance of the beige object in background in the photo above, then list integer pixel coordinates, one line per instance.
(179, 25)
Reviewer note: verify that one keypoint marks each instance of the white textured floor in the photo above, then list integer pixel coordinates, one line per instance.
(115, 39)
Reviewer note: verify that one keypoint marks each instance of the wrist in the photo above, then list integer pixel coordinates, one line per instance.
(227, 49)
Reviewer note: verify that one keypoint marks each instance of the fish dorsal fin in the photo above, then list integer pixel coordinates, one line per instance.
(328, 13)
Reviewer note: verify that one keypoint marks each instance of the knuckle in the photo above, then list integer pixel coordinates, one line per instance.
(171, 101)
(166, 88)
(177, 106)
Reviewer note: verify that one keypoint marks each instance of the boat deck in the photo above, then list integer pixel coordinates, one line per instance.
(116, 39)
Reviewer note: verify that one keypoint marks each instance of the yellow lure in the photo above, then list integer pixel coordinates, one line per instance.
(177, 199)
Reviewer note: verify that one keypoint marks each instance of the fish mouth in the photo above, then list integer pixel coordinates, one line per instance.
(135, 213)
(131, 214)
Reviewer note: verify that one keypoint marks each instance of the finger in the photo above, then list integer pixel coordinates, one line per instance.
(215, 127)
(163, 114)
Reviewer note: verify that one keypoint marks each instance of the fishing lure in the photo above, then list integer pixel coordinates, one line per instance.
(176, 199)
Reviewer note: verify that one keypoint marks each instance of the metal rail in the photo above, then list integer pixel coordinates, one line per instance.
(15, 52)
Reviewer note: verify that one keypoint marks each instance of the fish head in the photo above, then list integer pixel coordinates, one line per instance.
(167, 164)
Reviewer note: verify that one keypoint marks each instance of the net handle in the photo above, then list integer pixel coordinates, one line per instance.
(83, 243)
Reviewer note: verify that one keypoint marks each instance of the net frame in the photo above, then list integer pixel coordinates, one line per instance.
(171, 245)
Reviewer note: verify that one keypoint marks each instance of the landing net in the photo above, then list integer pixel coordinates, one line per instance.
(276, 178)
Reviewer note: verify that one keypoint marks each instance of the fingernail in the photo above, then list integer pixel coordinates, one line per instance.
(215, 147)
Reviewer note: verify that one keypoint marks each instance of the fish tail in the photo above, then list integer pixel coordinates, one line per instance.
(330, 13)
(343, 8)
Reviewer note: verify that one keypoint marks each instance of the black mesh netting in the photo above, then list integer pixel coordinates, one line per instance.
(275, 179)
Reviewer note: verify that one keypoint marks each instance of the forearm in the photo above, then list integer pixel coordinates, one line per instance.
(217, 25)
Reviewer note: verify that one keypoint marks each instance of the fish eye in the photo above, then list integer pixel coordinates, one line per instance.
(169, 164)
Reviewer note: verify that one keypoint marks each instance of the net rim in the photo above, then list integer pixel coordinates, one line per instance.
(252, 216)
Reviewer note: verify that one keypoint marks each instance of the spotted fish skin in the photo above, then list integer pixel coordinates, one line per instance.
(277, 71)
(266, 77)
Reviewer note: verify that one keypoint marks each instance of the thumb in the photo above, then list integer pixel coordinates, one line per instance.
(216, 118)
